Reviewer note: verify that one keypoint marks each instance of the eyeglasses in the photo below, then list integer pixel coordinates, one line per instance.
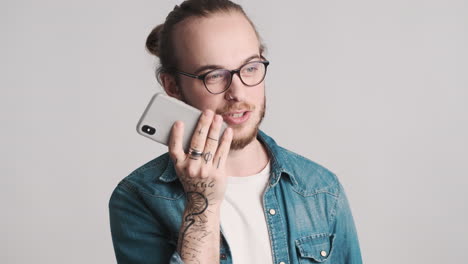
(219, 80)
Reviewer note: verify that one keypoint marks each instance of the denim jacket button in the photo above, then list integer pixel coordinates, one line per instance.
(273, 212)
(282, 262)
(323, 253)
(223, 256)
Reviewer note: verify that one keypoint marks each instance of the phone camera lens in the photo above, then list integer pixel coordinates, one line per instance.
(148, 130)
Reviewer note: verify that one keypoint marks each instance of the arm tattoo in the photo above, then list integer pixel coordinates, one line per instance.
(200, 204)
(194, 225)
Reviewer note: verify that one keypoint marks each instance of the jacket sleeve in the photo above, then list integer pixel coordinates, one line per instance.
(345, 243)
(137, 236)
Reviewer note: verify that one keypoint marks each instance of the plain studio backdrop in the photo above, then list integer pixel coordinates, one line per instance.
(376, 91)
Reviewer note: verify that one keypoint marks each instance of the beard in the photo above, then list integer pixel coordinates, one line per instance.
(240, 142)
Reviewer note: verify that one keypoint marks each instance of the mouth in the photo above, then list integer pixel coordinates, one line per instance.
(237, 117)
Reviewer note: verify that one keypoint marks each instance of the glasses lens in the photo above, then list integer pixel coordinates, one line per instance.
(217, 80)
(253, 73)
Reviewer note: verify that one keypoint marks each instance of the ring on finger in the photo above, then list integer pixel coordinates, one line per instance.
(195, 153)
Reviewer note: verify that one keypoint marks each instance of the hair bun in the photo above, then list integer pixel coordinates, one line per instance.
(152, 42)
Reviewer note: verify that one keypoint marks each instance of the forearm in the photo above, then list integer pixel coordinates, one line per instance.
(199, 234)
(202, 173)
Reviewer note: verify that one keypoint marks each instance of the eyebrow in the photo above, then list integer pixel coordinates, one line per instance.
(214, 66)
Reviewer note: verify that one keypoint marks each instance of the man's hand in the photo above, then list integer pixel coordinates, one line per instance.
(203, 176)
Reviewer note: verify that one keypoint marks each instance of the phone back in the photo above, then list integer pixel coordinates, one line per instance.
(160, 115)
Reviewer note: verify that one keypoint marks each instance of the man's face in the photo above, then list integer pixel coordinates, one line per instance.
(226, 40)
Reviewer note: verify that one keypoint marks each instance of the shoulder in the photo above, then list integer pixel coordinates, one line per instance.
(308, 177)
(155, 178)
(311, 177)
(150, 170)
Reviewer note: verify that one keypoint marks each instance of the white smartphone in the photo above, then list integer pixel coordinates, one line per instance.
(161, 114)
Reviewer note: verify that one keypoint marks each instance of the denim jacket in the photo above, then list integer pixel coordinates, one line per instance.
(311, 221)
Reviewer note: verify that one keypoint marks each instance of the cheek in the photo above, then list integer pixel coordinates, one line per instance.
(259, 93)
(199, 98)
(193, 91)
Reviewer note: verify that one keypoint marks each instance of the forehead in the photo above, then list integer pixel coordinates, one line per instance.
(224, 38)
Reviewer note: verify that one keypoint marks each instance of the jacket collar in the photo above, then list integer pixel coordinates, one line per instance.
(280, 162)
(280, 159)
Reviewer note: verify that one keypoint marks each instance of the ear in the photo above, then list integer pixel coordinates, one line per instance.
(170, 85)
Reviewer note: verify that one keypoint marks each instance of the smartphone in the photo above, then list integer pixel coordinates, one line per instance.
(161, 114)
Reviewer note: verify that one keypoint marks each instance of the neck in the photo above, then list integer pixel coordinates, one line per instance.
(248, 161)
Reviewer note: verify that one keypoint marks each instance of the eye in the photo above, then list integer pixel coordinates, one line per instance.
(215, 76)
(250, 68)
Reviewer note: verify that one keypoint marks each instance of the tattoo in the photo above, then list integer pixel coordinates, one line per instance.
(193, 158)
(214, 139)
(207, 157)
(199, 204)
(194, 232)
(199, 131)
(200, 185)
(219, 160)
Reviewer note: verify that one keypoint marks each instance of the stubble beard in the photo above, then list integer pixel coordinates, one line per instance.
(242, 142)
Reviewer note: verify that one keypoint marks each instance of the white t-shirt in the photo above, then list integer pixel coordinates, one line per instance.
(243, 220)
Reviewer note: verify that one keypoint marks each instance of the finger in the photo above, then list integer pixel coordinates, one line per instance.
(200, 133)
(223, 149)
(175, 142)
(212, 140)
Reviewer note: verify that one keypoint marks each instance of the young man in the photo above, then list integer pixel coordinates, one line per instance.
(236, 197)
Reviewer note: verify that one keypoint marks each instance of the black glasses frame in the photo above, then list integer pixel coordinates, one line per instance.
(237, 71)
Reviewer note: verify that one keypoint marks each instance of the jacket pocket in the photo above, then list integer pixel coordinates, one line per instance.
(315, 248)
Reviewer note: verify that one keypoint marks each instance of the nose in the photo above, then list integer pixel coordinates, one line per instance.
(237, 90)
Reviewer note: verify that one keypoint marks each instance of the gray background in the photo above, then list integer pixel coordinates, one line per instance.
(374, 90)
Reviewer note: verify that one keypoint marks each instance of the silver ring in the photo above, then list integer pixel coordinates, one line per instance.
(195, 153)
